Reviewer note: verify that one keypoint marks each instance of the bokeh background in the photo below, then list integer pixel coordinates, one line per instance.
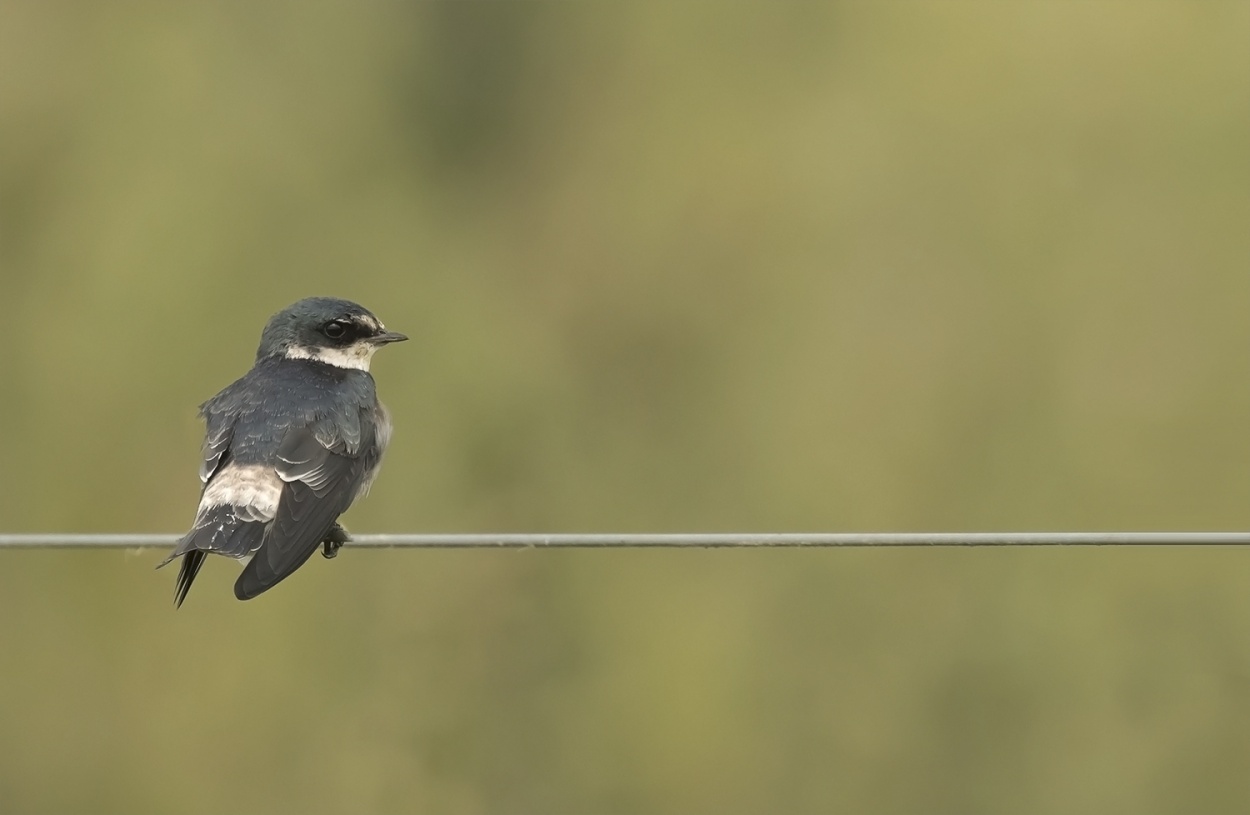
(704, 266)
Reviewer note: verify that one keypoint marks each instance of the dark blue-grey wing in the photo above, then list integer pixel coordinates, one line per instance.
(320, 484)
(218, 434)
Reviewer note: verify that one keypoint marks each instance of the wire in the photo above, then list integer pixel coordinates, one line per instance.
(679, 540)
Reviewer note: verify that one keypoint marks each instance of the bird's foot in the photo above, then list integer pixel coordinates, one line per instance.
(333, 541)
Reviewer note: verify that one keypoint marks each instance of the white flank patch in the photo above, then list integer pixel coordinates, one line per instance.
(383, 430)
(255, 486)
(385, 427)
(357, 356)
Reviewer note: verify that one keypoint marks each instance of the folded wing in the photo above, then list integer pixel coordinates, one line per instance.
(321, 474)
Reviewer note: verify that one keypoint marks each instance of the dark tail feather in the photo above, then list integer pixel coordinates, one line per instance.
(218, 531)
(191, 564)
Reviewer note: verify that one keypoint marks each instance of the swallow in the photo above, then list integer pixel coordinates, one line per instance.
(289, 446)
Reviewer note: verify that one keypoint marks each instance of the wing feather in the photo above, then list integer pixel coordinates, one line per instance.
(322, 480)
(217, 438)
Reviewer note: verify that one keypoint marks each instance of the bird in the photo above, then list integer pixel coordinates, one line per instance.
(289, 446)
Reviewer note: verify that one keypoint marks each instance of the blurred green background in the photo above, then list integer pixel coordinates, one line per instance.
(701, 266)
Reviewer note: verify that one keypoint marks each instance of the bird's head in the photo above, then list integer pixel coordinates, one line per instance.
(326, 329)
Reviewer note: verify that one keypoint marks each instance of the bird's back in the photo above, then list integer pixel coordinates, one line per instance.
(253, 504)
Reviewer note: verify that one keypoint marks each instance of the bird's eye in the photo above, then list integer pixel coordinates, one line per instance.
(335, 329)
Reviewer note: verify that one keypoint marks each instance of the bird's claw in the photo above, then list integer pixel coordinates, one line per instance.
(333, 541)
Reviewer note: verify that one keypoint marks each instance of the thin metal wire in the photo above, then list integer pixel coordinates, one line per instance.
(679, 540)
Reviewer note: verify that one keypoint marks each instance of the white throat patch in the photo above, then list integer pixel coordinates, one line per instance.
(357, 355)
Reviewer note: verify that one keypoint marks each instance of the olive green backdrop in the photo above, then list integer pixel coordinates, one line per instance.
(699, 266)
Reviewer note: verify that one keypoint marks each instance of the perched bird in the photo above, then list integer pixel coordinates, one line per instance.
(289, 446)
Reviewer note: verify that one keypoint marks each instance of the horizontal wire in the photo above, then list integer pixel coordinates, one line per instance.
(679, 540)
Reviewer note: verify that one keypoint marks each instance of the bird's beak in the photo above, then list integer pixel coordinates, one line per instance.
(387, 337)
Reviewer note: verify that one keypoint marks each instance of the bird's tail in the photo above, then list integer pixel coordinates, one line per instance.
(220, 531)
(192, 560)
(186, 575)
